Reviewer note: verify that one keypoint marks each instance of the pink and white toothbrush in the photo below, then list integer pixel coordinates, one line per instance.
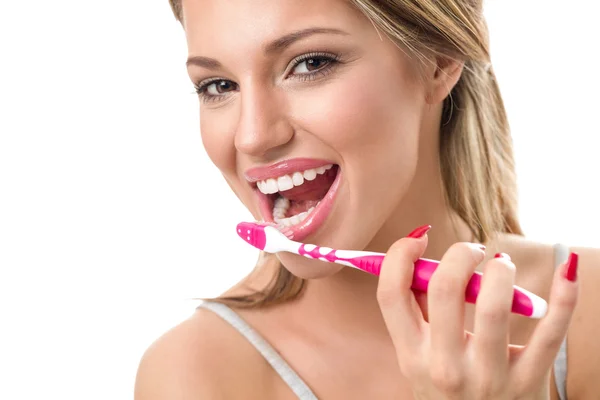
(271, 240)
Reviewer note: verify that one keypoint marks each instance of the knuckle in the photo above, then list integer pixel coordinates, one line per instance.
(450, 278)
(460, 249)
(454, 252)
(397, 253)
(553, 341)
(387, 297)
(500, 266)
(521, 383)
(520, 386)
(486, 387)
(464, 253)
(444, 286)
(411, 368)
(491, 313)
(566, 301)
(447, 377)
(397, 246)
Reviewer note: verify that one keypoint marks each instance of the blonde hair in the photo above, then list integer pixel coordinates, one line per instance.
(476, 152)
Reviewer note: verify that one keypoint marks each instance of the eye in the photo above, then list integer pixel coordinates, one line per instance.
(311, 64)
(214, 90)
(306, 67)
(217, 88)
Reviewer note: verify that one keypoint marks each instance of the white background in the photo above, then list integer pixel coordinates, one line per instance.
(111, 213)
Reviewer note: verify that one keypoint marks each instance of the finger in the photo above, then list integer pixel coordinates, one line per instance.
(539, 354)
(398, 306)
(492, 312)
(421, 298)
(446, 299)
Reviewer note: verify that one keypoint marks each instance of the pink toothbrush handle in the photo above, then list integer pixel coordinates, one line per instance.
(423, 270)
(524, 302)
(271, 240)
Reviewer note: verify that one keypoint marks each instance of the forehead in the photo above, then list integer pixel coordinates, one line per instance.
(238, 24)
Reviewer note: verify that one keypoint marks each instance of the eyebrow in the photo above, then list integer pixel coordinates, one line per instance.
(287, 40)
(275, 46)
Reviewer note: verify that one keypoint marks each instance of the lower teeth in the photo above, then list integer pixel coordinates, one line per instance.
(280, 208)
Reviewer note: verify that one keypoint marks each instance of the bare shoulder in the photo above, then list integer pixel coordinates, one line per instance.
(583, 347)
(534, 260)
(203, 357)
(583, 344)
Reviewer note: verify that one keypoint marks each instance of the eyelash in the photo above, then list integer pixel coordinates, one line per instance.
(330, 59)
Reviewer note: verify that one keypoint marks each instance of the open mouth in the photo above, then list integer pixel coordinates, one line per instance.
(299, 203)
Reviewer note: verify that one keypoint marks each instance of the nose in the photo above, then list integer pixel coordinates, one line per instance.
(263, 126)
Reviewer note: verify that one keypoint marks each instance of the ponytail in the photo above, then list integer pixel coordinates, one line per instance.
(476, 154)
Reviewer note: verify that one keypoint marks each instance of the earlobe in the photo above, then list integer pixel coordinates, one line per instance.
(446, 74)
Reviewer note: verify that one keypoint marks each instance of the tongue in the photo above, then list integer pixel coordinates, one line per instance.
(297, 207)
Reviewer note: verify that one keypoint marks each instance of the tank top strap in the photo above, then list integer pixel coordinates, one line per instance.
(289, 376)
(561, 254)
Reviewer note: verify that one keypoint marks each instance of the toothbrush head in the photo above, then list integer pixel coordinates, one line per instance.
(264, 237)
(253, 233)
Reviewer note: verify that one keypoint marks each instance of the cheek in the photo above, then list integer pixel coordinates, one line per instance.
(373, 124)
(358, 112)
(217, 133)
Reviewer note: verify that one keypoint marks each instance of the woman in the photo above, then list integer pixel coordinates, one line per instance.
(388, 114)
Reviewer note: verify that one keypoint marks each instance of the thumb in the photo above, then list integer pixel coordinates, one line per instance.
(398, 265)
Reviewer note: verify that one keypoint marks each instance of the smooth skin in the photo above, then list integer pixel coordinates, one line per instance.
(351, 335)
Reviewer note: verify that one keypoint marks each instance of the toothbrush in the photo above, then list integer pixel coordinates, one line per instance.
(271, 240)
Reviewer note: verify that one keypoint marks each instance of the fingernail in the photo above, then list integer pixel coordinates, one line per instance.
(571, 269)
(502, 255)
(419, 232)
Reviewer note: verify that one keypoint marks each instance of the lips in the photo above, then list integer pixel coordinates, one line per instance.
(285, 167)
(317, 217)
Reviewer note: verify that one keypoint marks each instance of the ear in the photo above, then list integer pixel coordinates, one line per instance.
(443, 76)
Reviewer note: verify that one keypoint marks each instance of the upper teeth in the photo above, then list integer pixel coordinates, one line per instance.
(286, 182)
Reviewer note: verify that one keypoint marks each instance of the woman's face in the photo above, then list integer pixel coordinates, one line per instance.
(308, 83)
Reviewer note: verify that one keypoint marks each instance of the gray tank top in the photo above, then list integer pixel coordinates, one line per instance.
(301, 389)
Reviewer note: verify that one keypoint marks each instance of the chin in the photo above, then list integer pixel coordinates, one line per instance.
(306, 268)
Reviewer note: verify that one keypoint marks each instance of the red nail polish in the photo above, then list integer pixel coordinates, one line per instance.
(419, 232)
(502, 255)
(571, 268)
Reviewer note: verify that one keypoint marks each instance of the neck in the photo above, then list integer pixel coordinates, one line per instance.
(348, 298)
(346, 301)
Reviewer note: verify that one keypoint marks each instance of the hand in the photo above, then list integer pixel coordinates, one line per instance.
(440, 358)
